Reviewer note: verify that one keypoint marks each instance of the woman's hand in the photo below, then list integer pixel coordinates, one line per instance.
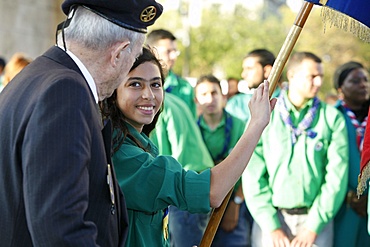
(260, 105)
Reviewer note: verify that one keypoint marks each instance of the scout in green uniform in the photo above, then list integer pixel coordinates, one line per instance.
(152, 182)
(257, 65)
(221, 131)
(352, 83)
(297, 177)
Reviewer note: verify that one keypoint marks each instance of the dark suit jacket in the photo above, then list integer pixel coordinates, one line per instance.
(53, 164)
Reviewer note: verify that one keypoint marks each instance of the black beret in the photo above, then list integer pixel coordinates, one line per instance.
(135, 15)
(342, 72)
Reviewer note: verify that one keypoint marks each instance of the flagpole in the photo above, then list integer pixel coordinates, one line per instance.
(214, 222)
(273, 78)
(288, 46)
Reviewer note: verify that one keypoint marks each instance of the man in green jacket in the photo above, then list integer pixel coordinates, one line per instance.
(297, 177)
(257, 65)
(221, 131)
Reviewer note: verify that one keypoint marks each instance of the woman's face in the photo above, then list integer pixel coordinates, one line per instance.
(356, 87)
(140, 95)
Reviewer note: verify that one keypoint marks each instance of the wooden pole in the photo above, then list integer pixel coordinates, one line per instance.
(214, 221)
(273, 78)
(288, 46)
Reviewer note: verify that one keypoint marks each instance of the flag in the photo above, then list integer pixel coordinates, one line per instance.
(350, 15)
(365, 162)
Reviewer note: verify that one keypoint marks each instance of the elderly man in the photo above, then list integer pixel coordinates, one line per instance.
(58, 187)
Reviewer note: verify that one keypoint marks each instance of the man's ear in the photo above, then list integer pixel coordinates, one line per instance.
(117, 50)
(266, 71)
(224, 100)
(289, 74)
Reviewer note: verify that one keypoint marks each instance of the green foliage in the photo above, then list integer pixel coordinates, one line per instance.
(219, 45)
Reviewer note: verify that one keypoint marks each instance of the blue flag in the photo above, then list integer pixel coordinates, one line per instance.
(349, 15)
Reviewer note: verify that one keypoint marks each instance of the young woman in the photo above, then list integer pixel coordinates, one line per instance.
(152, 182)
(351, 80)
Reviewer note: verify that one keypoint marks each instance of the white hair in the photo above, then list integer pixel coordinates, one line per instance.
(95, 32)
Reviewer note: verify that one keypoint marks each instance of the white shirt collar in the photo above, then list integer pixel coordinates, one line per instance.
(86, 74)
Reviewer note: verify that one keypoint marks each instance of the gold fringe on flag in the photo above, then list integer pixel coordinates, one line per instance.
(335, 18)
(363, 179)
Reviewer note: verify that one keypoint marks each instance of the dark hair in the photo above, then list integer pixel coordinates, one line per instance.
(264, 56)
(2, 62)
(209, 78)
(297, 58)
(109, 106)
(342, 72)
(154, 36)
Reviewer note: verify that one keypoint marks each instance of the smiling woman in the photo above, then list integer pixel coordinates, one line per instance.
(152, 182)
(141, 95)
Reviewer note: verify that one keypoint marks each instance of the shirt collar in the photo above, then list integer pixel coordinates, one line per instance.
(204, 125)
(143, 139)
(86, 74)
(290, 106)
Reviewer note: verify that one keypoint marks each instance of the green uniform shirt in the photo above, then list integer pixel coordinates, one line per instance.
(177, 134)
(313, 173)
(238, 105)
(181, 88)
(215, 139)
(150, 184)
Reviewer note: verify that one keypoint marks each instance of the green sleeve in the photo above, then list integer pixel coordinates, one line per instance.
(153, 183)
(257, 193)
(334, 187)
(178, 135)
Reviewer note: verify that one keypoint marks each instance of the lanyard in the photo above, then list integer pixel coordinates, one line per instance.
(360, 127)
(225, 149)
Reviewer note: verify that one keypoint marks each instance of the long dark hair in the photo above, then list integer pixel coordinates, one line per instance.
(109, 107)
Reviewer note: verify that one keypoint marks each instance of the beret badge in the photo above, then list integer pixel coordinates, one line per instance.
(148, 14)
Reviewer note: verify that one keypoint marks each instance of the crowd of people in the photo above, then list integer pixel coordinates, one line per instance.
(103, 144)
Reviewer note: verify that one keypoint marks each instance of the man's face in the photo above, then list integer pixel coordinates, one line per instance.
(232, 87)
(306, 79)
(167, 52)
(124, 63)
(253, 72)
(209, 98)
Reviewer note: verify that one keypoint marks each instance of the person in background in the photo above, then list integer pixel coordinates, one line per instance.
(152, 182)
(257, 66)
(165, 44)
(221, 131)
(331, 99)
(2, 66)
(233, 89)
(57, 184)
(351, 80)
(297, 177)
(177, 134)
(16, 63)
